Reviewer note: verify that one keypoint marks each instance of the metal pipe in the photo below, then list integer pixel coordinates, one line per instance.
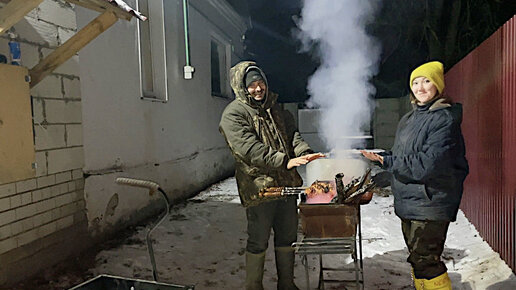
(188, 69)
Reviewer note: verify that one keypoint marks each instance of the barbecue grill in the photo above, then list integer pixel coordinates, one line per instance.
(335, 228)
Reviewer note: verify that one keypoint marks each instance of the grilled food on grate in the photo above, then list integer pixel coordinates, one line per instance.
(318, 187)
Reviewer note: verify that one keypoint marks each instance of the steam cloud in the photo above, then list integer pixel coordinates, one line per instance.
(349, 58)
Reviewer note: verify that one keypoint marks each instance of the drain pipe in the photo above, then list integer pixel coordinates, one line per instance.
(188, 69)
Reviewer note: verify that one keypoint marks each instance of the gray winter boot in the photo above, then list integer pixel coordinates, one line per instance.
(285, 266)
(254, 270)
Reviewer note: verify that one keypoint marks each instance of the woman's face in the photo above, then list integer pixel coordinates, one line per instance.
(423, 89)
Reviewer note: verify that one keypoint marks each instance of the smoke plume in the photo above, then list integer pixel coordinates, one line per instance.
(335, 31)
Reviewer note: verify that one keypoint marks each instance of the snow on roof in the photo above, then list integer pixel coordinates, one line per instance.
(121, 4)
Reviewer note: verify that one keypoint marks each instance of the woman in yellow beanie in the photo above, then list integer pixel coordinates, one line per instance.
(428, 167)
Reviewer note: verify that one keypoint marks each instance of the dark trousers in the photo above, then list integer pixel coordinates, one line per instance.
(425, 242)
(280, 215)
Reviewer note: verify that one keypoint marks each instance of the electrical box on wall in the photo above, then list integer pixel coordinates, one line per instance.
(17, 154)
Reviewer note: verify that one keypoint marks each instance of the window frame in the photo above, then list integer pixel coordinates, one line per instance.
(225, 45)
(158, 52)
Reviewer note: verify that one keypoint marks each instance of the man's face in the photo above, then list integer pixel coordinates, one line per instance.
(423, 89)
(257, 90)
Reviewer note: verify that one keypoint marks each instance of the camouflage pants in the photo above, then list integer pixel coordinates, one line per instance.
(425, 242)
(279, 215)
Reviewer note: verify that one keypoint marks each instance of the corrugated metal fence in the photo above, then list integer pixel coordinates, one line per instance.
(485, 83)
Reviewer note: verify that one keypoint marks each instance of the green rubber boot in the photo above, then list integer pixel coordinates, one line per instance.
(254, 270)
(285, 266)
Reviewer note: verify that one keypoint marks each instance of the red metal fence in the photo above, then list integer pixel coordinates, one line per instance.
(485, 83)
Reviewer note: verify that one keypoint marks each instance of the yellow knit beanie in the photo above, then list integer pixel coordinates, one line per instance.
(434, 71)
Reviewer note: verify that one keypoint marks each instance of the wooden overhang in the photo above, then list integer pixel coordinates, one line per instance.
(111, 11)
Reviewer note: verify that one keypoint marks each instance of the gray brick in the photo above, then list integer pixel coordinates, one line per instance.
(64, 199)
(47, 229)
(42, 218)
(63, 177)
(7, 189)
(4, 47)
(26, 198)
(65, 34)
(63, 188)
(55, 13)
(72, 88)
(65, 222)
(22, 226)
(49, 87)
(7, 245)
(29, 54)
(68, 209)
(74, 135)
(65, 159)
(16, 201)
(71, 186)
(46, 181)
(39, 32)
(25, 211)
(27, 237)
(70, 67)
(5, 232)
(26, 185)
(60, 111)
(45, 205)
(5, 204)
(41, 164)
(16, 228)
(77, 173)
(79, 184)
(7, 217)
(38, 110)
(50, 137)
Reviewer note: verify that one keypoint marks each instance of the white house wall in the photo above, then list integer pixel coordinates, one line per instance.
(176, 143)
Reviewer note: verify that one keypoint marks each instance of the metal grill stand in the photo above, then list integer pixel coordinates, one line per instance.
(334, 245)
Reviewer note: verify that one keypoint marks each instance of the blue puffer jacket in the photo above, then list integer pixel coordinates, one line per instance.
(428, 163)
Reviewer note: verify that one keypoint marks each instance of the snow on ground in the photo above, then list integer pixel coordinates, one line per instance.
(202, 243)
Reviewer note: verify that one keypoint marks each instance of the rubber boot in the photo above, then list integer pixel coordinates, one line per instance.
(254, 270)
(441, 282)
(285, 266)
(418, 283)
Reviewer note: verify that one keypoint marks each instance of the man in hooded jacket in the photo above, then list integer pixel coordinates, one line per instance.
(267, 147)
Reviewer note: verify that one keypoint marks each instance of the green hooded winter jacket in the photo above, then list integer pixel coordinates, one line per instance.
(262, 138)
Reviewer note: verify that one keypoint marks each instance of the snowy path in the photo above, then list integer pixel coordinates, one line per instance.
(203, 243)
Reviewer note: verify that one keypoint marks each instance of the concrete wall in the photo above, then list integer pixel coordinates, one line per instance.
(176, 143)
(387, 114)
(45, 213)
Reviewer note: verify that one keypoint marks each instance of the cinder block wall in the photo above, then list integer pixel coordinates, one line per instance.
(387, 114)
(42, 220)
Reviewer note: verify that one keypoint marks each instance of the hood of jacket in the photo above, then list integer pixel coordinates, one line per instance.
(237, 80)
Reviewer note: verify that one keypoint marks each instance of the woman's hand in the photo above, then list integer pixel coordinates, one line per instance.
(372, 156)
(302, 160)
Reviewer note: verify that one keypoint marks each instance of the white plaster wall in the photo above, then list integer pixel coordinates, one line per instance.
(177, 143)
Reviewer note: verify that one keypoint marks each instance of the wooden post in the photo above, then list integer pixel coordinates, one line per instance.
(72, 46)
(14, 11)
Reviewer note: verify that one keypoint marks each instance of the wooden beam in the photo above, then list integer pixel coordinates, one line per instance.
(71, 46)
(14, 11)
(103, 6)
